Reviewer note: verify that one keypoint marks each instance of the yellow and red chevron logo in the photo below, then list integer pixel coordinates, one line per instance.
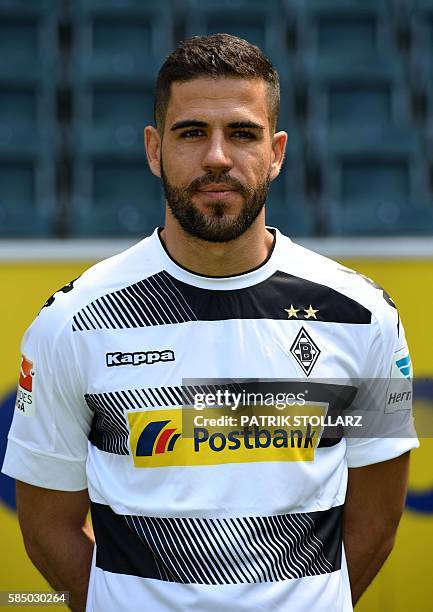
(156, 438)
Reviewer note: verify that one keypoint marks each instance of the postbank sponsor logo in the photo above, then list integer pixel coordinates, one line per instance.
(187, 437)
(25, 400)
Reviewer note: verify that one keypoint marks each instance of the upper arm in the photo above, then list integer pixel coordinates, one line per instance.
(42, 511)
(48, 439)
(384, 397)
(376, 494)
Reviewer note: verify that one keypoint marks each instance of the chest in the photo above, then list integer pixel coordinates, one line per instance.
(167, 355)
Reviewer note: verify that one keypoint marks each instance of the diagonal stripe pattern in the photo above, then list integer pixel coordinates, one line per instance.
(219, 551)
(109, 430)
(155, 300)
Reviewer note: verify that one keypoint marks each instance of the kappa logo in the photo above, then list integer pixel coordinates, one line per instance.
(156, 440)
(139, 358)
(305, 351)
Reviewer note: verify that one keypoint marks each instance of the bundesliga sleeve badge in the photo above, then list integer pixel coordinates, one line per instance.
(25, 401)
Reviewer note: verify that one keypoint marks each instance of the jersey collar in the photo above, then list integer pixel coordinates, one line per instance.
(236, 281)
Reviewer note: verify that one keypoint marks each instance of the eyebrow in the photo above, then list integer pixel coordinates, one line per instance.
(246, 124)
(235, 125)
(188, 123)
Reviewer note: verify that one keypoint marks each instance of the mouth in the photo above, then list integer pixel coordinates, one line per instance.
(217, 191)
(217, 188)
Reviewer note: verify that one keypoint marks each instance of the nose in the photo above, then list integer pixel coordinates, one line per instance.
(217, 156)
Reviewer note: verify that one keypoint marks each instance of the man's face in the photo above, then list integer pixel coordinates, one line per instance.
(216, 155)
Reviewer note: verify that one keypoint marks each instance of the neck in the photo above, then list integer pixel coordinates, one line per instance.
(218, 258)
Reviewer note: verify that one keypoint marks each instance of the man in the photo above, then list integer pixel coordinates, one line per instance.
(190, 515)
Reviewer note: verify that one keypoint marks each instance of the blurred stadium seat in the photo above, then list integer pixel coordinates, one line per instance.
(422, 24)
(259, 22)
(116, 55)
(27, 196)
(421, 64)
(357, 102)
(115, 196)
(329, 30)
(376, 183)
(359, 130)
(287, 205)
(120, 38)
(369, 92)
(28, 127)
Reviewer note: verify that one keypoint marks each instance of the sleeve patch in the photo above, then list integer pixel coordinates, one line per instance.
(399, 393)
(25, 400)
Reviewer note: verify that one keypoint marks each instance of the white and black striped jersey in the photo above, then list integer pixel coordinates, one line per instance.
(201, 514)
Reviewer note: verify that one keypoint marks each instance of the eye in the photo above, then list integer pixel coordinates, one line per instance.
(244, 135)
(191, 133)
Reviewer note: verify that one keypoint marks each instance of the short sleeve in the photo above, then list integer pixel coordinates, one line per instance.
(47, 441)
(384, 398)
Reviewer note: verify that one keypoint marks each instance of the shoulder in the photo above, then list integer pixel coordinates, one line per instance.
(339, 282)
(103, 278)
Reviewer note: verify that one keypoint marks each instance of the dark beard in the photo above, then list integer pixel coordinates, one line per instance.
(215, 227)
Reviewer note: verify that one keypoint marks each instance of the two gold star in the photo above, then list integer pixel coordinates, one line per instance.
(310, 313)
(292, 312)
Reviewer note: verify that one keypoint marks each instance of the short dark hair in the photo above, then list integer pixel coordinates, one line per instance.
(217, 55)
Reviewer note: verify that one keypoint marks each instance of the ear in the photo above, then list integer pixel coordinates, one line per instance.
(152, 143)
(279, 141)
